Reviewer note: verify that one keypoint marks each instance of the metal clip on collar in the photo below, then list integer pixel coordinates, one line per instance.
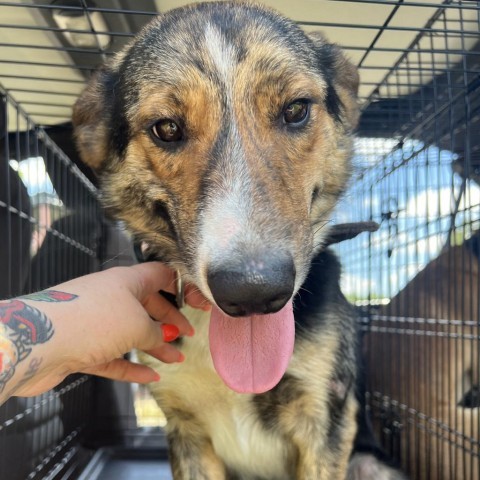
(180, 290)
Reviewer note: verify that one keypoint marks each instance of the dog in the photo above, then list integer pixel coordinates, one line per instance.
(222, 138)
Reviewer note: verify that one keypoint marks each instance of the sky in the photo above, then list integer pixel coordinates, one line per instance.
(412, 193)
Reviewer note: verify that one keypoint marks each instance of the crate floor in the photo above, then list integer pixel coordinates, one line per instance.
(127, 464)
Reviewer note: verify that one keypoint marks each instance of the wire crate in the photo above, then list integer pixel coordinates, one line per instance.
(416, 173)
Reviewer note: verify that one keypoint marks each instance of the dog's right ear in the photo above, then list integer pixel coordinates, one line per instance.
(92, 118)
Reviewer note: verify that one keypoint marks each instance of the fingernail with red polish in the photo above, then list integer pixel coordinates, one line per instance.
(156, 378)
(170, 332)
(181, 358)
(191, 332)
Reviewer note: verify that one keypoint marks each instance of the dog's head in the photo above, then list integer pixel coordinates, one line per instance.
(222, 138)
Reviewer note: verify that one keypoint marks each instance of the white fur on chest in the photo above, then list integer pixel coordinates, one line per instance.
(236, 432)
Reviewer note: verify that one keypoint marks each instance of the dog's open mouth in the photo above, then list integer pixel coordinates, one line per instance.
(251, 354)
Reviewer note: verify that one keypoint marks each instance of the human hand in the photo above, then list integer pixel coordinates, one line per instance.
(144, 336)
(107, 314)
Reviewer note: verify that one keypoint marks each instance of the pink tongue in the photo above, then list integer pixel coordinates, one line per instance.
(251, 354)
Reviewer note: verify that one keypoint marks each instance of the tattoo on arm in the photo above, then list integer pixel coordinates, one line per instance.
(22, 327)
(50, 296)
(32, 370)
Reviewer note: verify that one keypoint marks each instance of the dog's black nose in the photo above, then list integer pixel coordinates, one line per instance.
(257, 286)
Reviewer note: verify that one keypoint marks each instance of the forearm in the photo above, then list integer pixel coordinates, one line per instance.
(30, 343)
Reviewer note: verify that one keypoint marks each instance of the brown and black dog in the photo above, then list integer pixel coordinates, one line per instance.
(222, 137)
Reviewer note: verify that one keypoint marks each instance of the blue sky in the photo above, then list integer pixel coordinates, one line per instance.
(411, 192)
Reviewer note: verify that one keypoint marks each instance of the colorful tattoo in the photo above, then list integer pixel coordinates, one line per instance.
(23, 326)
(50, 296)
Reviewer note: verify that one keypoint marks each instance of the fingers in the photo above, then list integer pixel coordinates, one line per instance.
(166, 353)
(160, 309)
(156, 346)
(154, 276)
(170, 332)
(195, 298)
(125, 371)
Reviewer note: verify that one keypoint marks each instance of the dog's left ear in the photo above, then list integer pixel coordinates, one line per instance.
(346, 231)
(342, 77)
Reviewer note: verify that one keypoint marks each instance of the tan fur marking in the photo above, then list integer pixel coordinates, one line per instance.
(307, 417)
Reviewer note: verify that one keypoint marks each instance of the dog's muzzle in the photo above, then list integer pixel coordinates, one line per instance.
(258, 285)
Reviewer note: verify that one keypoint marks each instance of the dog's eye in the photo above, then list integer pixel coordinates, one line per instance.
(296, 114)
(167, 131)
